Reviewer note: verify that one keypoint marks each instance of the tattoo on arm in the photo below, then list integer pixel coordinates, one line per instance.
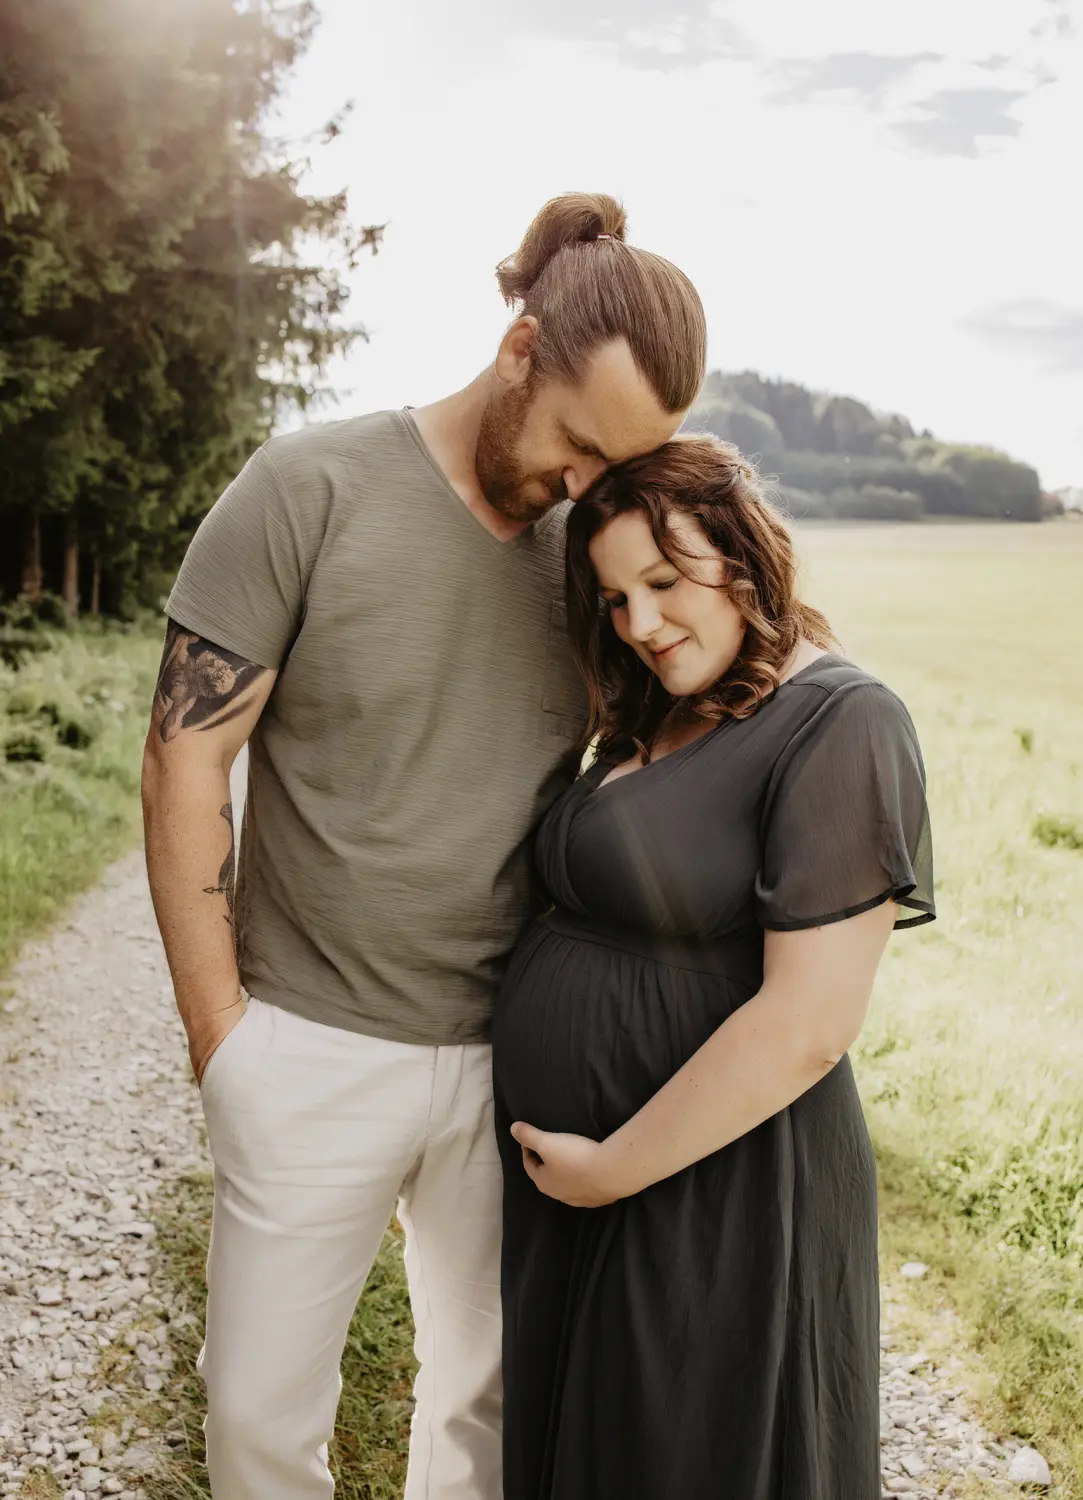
(227, 873)
(200, 685)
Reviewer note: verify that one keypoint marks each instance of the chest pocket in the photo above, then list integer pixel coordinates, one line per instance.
(564, 698)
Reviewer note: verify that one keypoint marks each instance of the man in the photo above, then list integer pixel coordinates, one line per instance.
(374, 605)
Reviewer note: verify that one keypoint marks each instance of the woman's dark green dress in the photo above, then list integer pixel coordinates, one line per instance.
(714, 1337)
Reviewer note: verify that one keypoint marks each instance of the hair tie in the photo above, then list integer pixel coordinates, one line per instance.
(598, 237)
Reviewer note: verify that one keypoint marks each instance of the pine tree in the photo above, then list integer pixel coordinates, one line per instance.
(157, 311)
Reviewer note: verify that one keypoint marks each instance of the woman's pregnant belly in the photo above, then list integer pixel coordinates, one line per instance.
(585, 1034)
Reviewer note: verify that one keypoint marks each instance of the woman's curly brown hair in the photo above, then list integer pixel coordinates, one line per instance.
(713, 484)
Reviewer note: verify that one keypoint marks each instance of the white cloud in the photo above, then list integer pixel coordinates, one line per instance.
(825, 247)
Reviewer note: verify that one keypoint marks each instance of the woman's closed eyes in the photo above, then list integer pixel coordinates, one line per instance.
(618, 601)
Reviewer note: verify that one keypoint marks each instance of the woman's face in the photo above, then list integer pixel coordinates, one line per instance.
(682, 624)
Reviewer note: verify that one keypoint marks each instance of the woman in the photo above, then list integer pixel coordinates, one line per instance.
(689, 1275)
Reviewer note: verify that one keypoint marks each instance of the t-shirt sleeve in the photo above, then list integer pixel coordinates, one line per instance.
(846, 824)
(241, 584)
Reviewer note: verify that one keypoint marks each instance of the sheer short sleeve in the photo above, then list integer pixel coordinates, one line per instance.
(846, 826)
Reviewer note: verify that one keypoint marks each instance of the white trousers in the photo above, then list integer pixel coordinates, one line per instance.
(316, 1134)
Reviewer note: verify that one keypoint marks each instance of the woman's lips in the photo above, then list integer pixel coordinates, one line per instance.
(666, 652)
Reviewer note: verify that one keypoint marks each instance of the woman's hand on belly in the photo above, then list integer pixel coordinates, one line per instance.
(571, 1168)
(768, 1053)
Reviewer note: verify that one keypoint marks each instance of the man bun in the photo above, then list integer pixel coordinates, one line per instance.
(572, 219)
(585, 287)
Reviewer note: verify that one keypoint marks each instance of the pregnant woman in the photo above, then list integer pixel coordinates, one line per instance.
(689, 1273)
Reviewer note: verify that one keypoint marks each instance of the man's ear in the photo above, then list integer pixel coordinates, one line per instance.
(515, 357)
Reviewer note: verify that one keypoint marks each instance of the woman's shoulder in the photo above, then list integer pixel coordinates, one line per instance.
(831, 679)
(834, 701)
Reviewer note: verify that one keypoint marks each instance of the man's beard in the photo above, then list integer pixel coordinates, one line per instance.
(510, 491)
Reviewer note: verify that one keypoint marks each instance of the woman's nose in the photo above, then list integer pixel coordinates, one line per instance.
(644, 617)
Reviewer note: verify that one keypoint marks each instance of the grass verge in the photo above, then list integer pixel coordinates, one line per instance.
(970, 1061)
(72, 722)
(368, 1455)
(1018, 1315)
(1015, 1323)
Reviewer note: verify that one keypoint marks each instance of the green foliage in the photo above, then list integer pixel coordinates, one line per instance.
(859, 462)
(1058, 833)
(877, 502)
(24, 743)
(804, 505)
(846, 426)
(55, 710)
(1030, 1193)
(72, 722)
(789, 405)
(733, 420)
(872, 502)
(991, 484)
(164, 293)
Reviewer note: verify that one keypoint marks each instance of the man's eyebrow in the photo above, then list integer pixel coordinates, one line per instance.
(582, 442)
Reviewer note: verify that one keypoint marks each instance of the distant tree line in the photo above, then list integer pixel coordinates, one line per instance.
(834, 456)
(161, 298)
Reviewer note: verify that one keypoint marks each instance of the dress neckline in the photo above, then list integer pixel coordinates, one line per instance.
(605, 784)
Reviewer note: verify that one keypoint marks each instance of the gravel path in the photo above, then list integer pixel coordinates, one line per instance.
(97, 1115)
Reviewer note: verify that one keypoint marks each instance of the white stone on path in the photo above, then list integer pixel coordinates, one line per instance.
(1029, 1467)
(913, 1269)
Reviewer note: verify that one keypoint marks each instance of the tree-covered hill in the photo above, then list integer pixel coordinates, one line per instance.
(833, 456)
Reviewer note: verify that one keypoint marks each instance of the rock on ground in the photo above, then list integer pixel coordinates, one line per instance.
(98, 1114)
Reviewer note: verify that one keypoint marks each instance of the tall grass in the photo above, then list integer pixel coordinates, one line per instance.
(971, 1064)
(72, 721)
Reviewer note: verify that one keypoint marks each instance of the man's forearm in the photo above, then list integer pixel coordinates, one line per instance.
(188, 820)
(206, 704)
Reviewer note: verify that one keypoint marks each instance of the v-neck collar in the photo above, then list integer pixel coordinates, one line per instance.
(514, 544)
(605, 785)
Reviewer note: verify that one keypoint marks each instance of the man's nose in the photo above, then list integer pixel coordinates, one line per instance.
(579, 477)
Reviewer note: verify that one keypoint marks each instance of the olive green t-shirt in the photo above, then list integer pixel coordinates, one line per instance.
(419, 727)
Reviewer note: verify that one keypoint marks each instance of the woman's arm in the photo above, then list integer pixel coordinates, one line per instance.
(808, 1013)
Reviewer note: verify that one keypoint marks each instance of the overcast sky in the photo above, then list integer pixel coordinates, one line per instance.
(873, 196)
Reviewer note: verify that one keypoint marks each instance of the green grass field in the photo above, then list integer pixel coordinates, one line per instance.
(72, 722)
(972, 1059)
